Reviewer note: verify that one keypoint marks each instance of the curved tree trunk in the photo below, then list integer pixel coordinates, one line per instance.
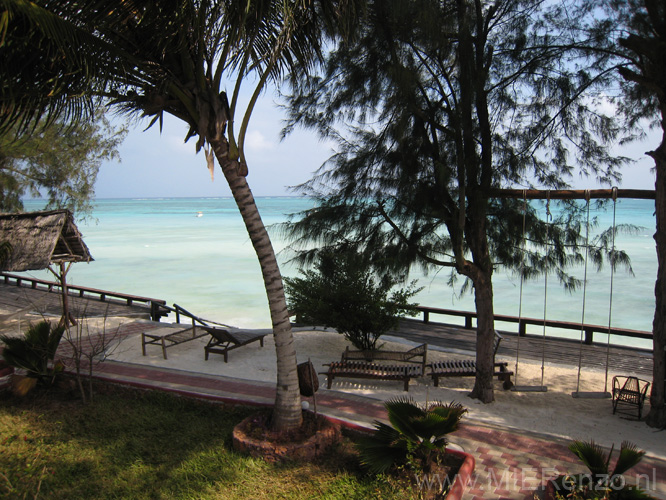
(287, 413)
(657, 415)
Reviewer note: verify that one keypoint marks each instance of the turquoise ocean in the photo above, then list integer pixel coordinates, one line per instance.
(195, 252)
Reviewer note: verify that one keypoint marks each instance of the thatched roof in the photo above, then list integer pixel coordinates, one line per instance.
(38, 239)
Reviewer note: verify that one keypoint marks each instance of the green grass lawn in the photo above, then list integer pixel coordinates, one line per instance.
(138, 444)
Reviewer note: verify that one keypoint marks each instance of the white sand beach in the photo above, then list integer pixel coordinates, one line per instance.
(554, 412)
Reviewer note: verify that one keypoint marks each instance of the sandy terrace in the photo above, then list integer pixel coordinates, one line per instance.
(554, 412)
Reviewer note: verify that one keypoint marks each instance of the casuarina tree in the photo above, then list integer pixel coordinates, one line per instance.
(60, 159)
(436, 106)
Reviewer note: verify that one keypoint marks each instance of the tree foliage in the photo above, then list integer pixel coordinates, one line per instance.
(58, 160)
(403, 185)
(436, 105)
(343, 293)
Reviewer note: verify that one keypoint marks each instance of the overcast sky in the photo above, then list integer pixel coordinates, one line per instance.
(155, 165)
(162, 165)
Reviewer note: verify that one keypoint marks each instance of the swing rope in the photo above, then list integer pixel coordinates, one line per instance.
(582, 320)
(610, 300)
(539, 388)
(522, 279)
(545, 290)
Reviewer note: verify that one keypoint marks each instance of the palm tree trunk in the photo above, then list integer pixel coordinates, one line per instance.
(287, 412)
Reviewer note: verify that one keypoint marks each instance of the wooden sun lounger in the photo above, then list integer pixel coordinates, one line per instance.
(467, 368)
(364, 369)
(171, 336)
(224, 340)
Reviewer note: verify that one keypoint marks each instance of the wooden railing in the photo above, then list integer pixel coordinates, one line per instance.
(589, 330)
(156, 309)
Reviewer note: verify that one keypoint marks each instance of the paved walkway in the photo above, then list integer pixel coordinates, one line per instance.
(509, 463)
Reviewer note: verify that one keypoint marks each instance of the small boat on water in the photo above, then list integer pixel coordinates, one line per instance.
(199, 214)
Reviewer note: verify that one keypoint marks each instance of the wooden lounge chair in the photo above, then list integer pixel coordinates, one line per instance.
(377, 371)
(467, 368)
(631, 392)
(169, 336)
(224, 340)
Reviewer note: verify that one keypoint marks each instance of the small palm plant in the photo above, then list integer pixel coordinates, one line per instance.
(601, 482)
(33, 351)
(416, 437)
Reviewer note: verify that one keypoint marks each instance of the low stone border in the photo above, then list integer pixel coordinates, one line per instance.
(306, 450)
(463, 477)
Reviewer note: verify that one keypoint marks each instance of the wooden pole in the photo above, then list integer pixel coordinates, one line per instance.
(571, 194)
(314, 392)
(67, 317)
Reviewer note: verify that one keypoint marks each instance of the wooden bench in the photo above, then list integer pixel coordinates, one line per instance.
(420, 351)
(631, 392)
(378, 371)
(467, 368)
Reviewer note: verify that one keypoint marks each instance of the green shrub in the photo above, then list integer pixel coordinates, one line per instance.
(416, 438)
(343, 293)
(33, 351)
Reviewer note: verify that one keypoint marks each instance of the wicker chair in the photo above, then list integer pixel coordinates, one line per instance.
(629, 395)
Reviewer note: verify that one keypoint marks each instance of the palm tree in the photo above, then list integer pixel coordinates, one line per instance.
(417, 436)
(175, 57)
(601, 482)
(33, 351)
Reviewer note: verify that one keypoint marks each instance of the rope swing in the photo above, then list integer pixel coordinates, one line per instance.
(532, 388)
(522, 280)
(593, 394)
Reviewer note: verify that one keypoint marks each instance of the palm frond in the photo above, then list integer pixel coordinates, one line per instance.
(592, 455)
(402, 412)
(629, 457)
(376, 456)
(17, 353)
(33, 351)
(53, 63)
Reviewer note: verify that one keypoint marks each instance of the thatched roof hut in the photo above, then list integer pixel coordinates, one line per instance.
(38, 239)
